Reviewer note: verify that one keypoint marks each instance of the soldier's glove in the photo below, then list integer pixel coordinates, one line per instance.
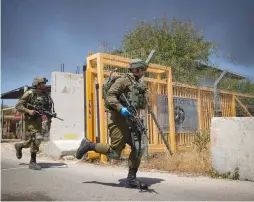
(124, 111)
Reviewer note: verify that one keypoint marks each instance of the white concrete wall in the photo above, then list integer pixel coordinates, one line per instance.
(67, 92)
(232, 145)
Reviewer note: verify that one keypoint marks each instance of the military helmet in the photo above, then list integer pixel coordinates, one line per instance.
(39, 79)
(138, 63)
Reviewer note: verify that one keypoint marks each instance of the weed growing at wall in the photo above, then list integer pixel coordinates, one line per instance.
(216, 174)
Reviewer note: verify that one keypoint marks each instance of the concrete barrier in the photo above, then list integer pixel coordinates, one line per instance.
(232, 146)
(67, 92)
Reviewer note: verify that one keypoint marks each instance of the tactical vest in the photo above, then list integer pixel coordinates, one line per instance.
(43, 100)
(136, 96)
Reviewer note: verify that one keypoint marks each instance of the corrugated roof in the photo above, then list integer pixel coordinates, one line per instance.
(16, 93)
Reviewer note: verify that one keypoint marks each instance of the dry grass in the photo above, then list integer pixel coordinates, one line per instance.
(195, 161)
(191, 162)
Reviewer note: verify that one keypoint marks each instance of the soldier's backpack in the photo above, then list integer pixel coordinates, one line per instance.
(108, 83)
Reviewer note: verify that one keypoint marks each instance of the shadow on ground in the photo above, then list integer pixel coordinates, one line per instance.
(148, 181)
(49, 165)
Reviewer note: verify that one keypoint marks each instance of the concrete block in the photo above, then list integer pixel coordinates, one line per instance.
(232, 145)
(59, 148)
(67, 92)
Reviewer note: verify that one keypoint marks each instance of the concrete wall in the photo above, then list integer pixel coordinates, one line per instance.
(232, 145)
(67, 92)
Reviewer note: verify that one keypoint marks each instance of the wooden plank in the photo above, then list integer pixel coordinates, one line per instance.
(199, 111)
(127, 60)
(171, 111)
(146, 79)
(233, 109)
(242, 105)
(186, 97)
(155, 81)
(158, 89)
(154, 108)
(92, 57)
(122, 64)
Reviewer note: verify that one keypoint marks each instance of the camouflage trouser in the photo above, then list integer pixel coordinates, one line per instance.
(119, 135)
(33, 131)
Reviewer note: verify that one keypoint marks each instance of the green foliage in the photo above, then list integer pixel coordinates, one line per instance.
(234, 176)
(240, 86)
(181, 46)
(178, 45)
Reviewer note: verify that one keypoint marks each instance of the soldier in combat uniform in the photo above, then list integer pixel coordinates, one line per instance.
(119, 131)
(33, 121)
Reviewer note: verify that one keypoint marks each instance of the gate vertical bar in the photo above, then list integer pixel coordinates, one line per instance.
(102, 125)
(233, 109)
(199, 110)
(85, 108)
(89, 101)
(171, 110)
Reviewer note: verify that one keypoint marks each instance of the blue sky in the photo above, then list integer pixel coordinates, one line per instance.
(37, 36)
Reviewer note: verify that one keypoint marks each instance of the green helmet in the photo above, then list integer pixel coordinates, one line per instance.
(138, 63)
(39, 79)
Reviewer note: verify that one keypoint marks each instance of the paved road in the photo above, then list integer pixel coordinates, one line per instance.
(81, 182)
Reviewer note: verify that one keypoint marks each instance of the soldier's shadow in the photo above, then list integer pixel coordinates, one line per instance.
(147, 181)
(49, 165)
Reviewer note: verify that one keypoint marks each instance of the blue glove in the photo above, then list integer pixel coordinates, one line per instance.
(124, 111)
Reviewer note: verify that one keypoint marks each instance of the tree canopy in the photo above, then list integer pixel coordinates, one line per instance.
(181, 46)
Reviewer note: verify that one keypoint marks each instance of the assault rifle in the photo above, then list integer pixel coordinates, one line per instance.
(137, 127)
(42, 111)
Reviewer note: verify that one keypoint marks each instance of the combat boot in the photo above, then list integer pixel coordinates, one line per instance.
(132, 182)
(33, 165)
(84, 147)
(18, 147)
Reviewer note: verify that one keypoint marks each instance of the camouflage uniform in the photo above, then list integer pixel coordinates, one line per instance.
(118, 126)
(33, 124)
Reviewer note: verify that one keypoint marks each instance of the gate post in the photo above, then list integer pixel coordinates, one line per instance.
(171, 110)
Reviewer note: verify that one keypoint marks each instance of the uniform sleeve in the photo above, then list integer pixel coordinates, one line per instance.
(114, 93)
(22, 101)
